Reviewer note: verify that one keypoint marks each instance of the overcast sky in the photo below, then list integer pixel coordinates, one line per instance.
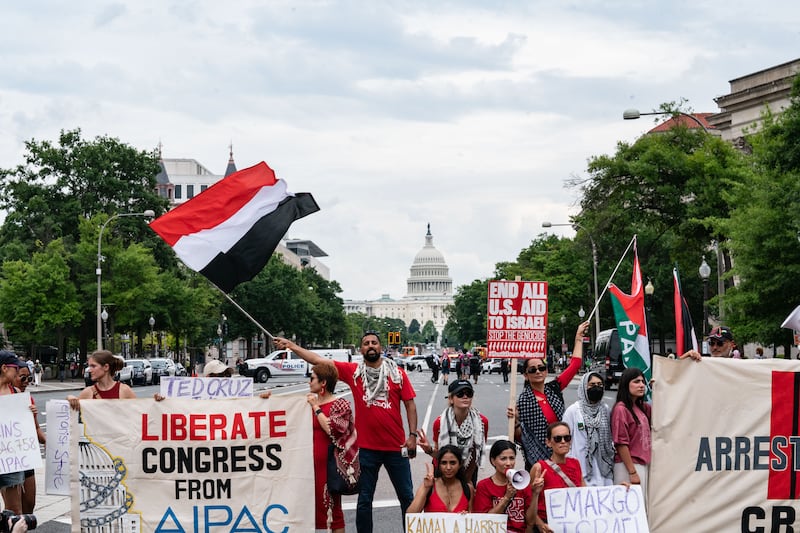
(394, 114)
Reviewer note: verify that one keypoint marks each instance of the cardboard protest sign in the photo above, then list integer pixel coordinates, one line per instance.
(455, 523)
(57, 457)
(206, 388)
(726, 445)
(19, 446)
(517, 319)
(609, 508)
(194, 465)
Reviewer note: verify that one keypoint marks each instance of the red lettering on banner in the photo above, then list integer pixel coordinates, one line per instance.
(275, 423)
(517, 319)
(216, 426)
(784, 484)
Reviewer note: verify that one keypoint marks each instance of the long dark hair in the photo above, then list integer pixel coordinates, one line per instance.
(624, 393)
(461, 474)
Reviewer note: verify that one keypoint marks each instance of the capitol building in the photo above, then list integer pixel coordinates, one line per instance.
(429, 291)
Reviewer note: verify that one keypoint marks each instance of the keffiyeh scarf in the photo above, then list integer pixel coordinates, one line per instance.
(599, 443)
(468, 436)
(374, 379)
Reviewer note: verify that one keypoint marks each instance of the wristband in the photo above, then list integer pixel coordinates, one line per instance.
(317, 411)
(413, 434)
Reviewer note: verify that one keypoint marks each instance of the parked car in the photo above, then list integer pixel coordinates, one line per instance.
(415, 362)
(125, 375)
(607, 357)
(490, 366)
(282, 363)
(180, 370)
(142, 371)
(162, 367)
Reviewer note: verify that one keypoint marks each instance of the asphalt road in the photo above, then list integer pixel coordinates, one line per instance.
(492, 396)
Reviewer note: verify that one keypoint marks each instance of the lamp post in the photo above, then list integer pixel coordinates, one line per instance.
(563, 333)
(152, 322)
(633, 114)
(219, 336)
(149, 213)
(649, 290)
(705, 273)
(104, 317)
(576, 227)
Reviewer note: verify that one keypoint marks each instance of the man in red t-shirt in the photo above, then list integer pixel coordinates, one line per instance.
(379, 387)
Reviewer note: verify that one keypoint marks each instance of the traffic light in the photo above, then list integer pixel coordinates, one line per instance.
(394, 337)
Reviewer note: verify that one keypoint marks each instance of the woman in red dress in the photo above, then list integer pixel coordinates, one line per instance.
(445, 490)
(333, 422)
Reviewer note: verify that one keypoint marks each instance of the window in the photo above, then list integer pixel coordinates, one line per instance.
(203, 187)
(177, 192)
(190, 191)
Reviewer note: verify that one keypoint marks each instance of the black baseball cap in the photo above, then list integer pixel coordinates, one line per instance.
(721, 333)
(458, 385)
(8, 358)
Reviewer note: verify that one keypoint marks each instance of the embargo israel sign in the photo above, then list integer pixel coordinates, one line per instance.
(517, 319)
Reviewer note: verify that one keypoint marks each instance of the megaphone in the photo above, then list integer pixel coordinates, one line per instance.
(519, 478)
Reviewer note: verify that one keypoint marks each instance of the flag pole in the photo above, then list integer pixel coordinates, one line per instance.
(605, 287)
(245, 313)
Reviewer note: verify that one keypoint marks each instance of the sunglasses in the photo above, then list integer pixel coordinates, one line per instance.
(535, 369)
(26, 379)
(561, 438)
(715, 342)
(465, 392)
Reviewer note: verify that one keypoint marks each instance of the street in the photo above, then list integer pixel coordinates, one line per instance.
(491, 398)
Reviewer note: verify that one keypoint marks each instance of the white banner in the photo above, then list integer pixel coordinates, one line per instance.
(206, 388)
(590, 509)
(194, 466)
(455, 523)
(19, 446)
(57, 463)
(726, 450)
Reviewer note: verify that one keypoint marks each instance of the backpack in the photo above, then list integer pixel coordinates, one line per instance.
(37, 368)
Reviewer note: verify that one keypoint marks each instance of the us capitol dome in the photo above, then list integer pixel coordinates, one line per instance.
(429, 292)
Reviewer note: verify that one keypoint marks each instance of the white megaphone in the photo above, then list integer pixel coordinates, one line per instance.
(519, 478)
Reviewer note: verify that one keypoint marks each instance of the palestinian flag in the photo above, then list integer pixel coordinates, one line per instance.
(631, 321)
(685, 337)
(229, 231)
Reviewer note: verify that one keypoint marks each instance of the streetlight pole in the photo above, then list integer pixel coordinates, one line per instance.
(152, 322)
(563, 333)
(576, 227)
(633, 114)
(149, 213)
(705, 273)
(104, 317)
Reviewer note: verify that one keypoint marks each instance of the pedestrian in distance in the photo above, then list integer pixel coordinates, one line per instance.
(589, 422)
(379, 387)
(445, 368)
(461, 425)
(630, 429)
(504, 369)
(333, 424)
(497, 495)
(475, 366)
(445, 488)
(10, 482)
(37, 373)
(541, 402)
(24, 377)
(556, 472)
(102, 367)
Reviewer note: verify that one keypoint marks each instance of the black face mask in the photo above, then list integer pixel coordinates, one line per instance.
(595, 394)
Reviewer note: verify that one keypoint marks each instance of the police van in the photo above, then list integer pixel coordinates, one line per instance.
(286, 363)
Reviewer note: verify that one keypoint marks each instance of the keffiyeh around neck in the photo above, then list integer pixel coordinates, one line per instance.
(599, 443)
(374, 379)
(468, 436)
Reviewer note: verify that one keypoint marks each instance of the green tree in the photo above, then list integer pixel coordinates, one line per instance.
(469, 312)
(429, 333)
(37, 299)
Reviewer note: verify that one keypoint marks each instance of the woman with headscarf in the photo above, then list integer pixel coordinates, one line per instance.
(541, 402)
(589, 421)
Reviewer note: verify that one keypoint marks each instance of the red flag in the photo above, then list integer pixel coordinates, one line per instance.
(229, 231)
(685, 338)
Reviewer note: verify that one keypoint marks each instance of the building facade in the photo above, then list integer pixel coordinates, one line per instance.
(429, 290)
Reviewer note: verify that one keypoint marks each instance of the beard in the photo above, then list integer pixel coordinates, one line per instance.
(371, 356)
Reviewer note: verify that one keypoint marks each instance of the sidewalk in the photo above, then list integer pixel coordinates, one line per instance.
(50, 385)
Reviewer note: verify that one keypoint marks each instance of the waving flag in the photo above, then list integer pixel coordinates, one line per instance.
(631, 323)
(229, 231)
(685, 338)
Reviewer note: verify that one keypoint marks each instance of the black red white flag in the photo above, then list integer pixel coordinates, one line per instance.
(685, 337)
(229, 231)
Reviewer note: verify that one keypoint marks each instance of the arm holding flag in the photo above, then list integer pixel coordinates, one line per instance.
(576, 360)
(312, 358)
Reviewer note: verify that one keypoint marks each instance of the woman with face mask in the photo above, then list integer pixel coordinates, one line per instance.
(589, 421)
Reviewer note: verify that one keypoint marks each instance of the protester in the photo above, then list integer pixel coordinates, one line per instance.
(557, 472)
(475, 366)
(759, 353)
(29, 485)
(102, 367)
(379, 387)
(542, 403)
(217, 369)
(504, 369)
(37, 373)
(720, 342)
(589, 421)
(10, 482)
(445, 368)
(333, 421)
(496, 494)
(445, 488)
(461, 425)
(630, 429)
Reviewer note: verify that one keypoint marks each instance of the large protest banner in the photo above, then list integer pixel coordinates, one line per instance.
(602, 509)
(726, 450)
(19, 447)
(194, 466)
(516, 319)
(455, 523)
